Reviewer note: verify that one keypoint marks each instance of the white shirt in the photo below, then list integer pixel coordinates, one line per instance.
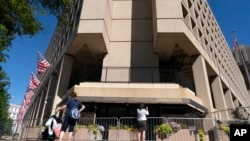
(48, 124)
(141, 114)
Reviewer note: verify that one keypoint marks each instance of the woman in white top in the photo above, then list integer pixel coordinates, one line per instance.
(142, 122)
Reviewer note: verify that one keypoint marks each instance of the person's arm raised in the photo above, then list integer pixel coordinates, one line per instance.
(61, 108)
(82, 108)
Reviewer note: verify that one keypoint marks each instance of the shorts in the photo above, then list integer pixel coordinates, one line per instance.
(142, 125)
(68, 122)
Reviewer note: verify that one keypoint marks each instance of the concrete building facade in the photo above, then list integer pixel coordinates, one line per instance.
(241, 55)
(13, 112)
(168, 54)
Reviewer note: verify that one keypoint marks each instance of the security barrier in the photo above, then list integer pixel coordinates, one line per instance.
(158, 129)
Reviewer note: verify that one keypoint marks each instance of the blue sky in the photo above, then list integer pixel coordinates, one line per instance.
(233, 15)
(230, 15)
(22, 59)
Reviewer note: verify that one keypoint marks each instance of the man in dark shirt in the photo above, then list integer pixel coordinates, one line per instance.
(68, 120)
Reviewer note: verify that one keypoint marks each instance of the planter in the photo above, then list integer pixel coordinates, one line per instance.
(115, 134)
(84, 134)
(160, 137)
(185, 135)
(162, 130)
(33, 133)
(81, 134)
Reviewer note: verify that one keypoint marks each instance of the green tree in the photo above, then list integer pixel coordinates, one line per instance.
(17, 18)
(6, 127)
(4, 97)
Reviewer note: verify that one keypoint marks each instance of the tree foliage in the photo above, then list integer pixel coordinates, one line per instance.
(6, 127)
(17, 18)
(4, 95)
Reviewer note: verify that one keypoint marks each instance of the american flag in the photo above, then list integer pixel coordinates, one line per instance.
(235, 43)
(25, 103)
(34, 82)
(42, 64)
(22, 108)
(19, 117)
(28, 96)
(21, 112)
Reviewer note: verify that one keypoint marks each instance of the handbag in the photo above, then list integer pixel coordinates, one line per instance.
(57, 130)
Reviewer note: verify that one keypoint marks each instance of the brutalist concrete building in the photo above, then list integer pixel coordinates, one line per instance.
(242, 54)
(169, 54)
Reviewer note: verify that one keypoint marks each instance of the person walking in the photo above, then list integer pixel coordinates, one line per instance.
(142, 122)
(69, 121)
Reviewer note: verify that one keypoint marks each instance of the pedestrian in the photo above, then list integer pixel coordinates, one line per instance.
(69, 121)
(142, 122)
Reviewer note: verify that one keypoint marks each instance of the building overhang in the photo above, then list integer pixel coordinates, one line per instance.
(168, 37)
(137, 93)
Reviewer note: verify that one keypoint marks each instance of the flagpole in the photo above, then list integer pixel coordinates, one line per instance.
(45, 101)
(47, 61)
(41, 54)
(43, 108)
(40, 81)
(243, 61)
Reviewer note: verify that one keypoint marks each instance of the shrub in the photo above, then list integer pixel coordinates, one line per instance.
(123, 127)
(226, 129)
(94, 130)
(163, 129)
(201, 135)
(16, 136)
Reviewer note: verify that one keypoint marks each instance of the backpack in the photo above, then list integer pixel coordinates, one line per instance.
(74, 113)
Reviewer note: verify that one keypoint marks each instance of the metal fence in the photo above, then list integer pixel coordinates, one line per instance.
(158, 129)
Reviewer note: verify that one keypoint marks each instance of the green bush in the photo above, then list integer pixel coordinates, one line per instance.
(16, 136)
(94, 130)
(226, 129)
(163, 129)
(201, 135)
(123, 127)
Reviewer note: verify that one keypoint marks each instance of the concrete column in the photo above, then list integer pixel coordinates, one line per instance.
(220, 103)
(51, 93)
(33, 112)
(26, 123)
(38, 103)
(27, 120)
(63, 79)
(229, 102)
(28, 114)
(229, 99)
(202, 84)
(43, 95)
(39, 100)
(46, 94)
(236, 103)
(34, 117)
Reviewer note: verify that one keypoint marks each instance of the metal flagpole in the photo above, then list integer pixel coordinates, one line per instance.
(45, 102)
(51, 66)
(43, 108)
